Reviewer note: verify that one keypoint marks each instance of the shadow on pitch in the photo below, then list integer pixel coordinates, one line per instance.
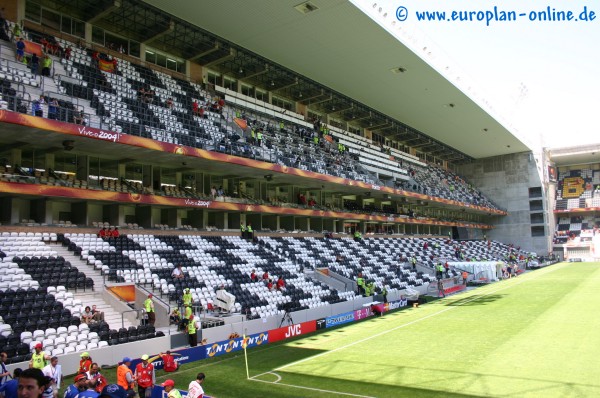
(475, 300)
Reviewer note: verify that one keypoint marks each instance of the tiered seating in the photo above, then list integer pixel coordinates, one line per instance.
(578, 189)
(441, 183)
(168, 117)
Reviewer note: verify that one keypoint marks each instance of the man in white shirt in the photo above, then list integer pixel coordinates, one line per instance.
(195, 389)
(53, 370)
(177, 273)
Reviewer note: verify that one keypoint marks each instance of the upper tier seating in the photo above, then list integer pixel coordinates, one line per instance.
(167, 115)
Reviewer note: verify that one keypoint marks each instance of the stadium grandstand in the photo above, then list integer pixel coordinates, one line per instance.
(299, 143)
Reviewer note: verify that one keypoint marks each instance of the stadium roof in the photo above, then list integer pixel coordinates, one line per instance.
(326, 54)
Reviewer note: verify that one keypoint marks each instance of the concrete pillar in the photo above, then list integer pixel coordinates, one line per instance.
(83, 168)
(15, 157)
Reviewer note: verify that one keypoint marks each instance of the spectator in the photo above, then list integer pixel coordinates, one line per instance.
(39, 358)
(175, 317)
(265, 276)
(145, 377)
(280, 283)
(20, 53)
(87, 317)
(36, 108)
(170, 389)
(253, 276)
(195, 389)
(54, 372)
(97, 315)
(177, 273)
(149, 307)
(32, 384)
(53, 109)
(34, 64)
(115, 232)
(125, 377)
(113, 391)
(46, 65)
(97, 380)
(10, 388)
(465, 276)
(85, 364)
(4, 373)
(169, 103)
(169, 363)
(79, 118)
(67, 53)
(79, 383)
(89, 391)
(195, 107)
(213, 192)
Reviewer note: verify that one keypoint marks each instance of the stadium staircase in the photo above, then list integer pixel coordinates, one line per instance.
(92, 297)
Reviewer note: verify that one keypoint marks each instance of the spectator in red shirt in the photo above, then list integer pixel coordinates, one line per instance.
(265, 276)
(253, 276)
(115, 232)
(280, 283)
(195, 107)
(102, 233)
(270, 285)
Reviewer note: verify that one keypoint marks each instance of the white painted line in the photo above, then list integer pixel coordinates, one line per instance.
(522, 278)
(306, 388)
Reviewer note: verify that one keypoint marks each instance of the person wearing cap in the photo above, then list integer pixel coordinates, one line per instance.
(79, 384)
(124, 375)
(187, 297)
(39, 358)
(113, 391)
(170, 389)
(54, 372)
(192, 330)
(195, 389)
(145, 377)
(149, 307)
(85, 364)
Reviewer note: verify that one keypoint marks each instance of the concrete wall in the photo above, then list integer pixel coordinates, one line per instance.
(110, 355)
(506, 180)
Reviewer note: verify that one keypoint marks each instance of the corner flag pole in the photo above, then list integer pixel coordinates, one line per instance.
(244, 346)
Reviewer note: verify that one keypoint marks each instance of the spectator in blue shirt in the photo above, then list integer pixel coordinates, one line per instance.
(79, 385)
(10, 388)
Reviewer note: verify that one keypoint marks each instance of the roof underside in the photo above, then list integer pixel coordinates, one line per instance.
(334, 59)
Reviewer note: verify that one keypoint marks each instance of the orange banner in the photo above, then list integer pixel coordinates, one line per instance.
(241, 123)
(33, 48)
(126, 292)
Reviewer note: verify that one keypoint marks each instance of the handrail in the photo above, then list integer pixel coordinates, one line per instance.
(138, 311)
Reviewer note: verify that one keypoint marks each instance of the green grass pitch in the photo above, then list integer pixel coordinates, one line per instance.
(537, 335)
